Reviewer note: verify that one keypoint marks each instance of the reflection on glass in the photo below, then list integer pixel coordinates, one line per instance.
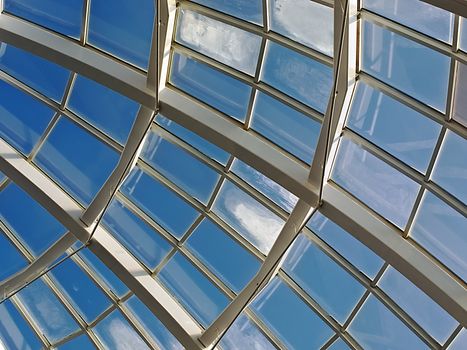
(249, 10)
(81, 342)
(123, 29)
(375, 327)
(243, 334)
(217, 89)
(374, 182)
(64, 17)
(296, 325)
(307, 22)
(11, 260)
(247, 216)
(463, 36)
(302, 78)
(391, 125)
(77, 160)
(415, 69)
(416, 14)
(193, 290)
(227, 44)
(441, 230)
(460, 102)
(450, 171)
(285, 126)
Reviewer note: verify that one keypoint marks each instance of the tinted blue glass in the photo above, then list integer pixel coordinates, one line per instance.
(11, 259)
(163, 205)
(323, 279)
(63, 17)
(18, 126)
(415, 69)
(249, 10)
(345, 244)
(43, 306)
(194, 140)
(193, 290)
(83, 293)
(104, 108)
(437, 322)
(140, 239)
(377, 184)
(463, 36)
(375, 327)
(391, 125)
(44, 76)
(285, 126)
(36, 227)
(209, 85)
(15, 333)
(460, 341)
(296, 75)
(195, 177)
(123, 29)
(290, 318)
(443, 232)
(243, 334)
(157, 331)
(82, 343)
(76, 160)
(222, 255)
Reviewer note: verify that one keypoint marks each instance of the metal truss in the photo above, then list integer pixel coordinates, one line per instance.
(310, 184)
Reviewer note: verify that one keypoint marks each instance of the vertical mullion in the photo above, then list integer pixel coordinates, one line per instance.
(85, 22)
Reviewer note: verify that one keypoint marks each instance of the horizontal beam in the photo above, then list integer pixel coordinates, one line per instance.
(458, 7)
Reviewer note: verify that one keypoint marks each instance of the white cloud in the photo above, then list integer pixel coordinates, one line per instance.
(124, 337)
(243, 335)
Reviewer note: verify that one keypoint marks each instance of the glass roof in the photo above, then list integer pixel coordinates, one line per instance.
(197, 210)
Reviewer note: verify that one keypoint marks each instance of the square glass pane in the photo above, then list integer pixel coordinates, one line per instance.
(295, 324)
(415, 69)
(77, 160)
(123, 29)
(416, 14)
(244, 334)
(247, 216)
(305, 21)
(293, 131)
(460, 102)
(383, 188)
(217, 89)
(301, 77)
(225, 43)
(193, 290)
(391, 125)
(11, 260)
(248, 10)
(63, 17)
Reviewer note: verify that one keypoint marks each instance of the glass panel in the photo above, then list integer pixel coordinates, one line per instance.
(442, 231)
(305, 21)
(391, 125)
(460, 103)
(63, 17)
(450, 171)
(11, 260)
(285, 126)
(375, 327)
(221, 254)
(322, 278)
(243, 334)
(247, 216)
(82, 343)
(460, 341)
(249, 10)
(159, 202)
(77, 160)
(123, 29)
(44, 76)
(437, 322)
(115, 332)
(416, 14)
(374, 182)
(194, 177)
(345, 244)
(217, 89)
(137, 236)
(18, 126)
(339, 344)
(265, 185)
(35, 227)
(227, 44)
(297, 326)
(102, 107)
(15, 332)
(463, 35)
(193, 290)
(48, 313)
(302, 78)
(415, 69)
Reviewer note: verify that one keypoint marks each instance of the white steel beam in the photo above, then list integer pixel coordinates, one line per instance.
(458, 7)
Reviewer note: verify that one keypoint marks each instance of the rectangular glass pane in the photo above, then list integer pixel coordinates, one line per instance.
(248, 10)
(460, 102)
(463, 35)
(11, 260)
